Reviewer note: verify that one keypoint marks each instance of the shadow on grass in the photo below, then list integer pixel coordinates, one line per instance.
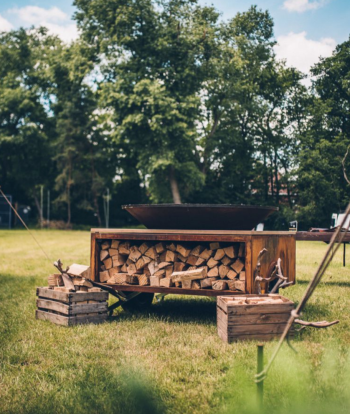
(184, 310)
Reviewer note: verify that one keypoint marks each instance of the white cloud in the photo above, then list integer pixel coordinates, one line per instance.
(301, 6)
(5, 25)
(301, 52)
(57, 22)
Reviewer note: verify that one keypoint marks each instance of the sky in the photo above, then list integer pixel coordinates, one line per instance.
(304, 29)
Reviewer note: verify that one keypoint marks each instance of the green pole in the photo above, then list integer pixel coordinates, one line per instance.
(260, 385)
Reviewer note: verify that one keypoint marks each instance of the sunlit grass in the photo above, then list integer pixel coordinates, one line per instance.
(168, 358)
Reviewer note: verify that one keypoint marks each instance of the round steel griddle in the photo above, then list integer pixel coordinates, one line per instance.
(196, 216)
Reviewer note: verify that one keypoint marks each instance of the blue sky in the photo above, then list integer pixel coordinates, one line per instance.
(304, 29)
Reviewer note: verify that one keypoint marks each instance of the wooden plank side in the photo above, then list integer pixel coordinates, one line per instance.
(249, 283)
(263, 318)
(53, 305)
(173, 290)
(54, 318)
(43, 292)
(97, 296)
(253, 328)
(278, 246)
(107, 231)
(94, 257)
(253, 337)
(70, 321)
(88, 308)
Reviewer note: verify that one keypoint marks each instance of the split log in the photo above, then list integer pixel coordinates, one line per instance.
(103, 255)
(206, 254)
(144, 248)
(102, 268)
(146, 260)
(166, 282)
(154, 281)
(124, 248)
(242, 276)
(231, 285)
(226, 260)
(115, 244)
(212, 263)
(195, 274)
(167, 256)
(231, 274)
(230, 251)
(192, 260)
(214, 272)
(132, 269)
(196, 285)
(159, 248)
(113, 252)
(135, 254)
(197, 250)
(214, 246)
(124, 268)
(55, 280)
(223, 271)
(125, 279)
(240, 285)
(200, 261)
(140, 264)
(219, 254)
(146, 272)
(181, 258)
(168, 271)
(237, 266)
(160, 273)
(187, 284)
(114, 270)
(129, 261)
(241, 251)
(143, 279)
(108, 263)
(179, 266)
(171, 247)
(182, 250)
(151, 253)
(104, 276)
(118, 260)
(152, 267)
(105, 245)
(219, 285)
(207, 282)
(163, 265)
(77, 270)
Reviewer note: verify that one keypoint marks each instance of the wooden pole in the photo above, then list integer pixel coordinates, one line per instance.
(260, 384)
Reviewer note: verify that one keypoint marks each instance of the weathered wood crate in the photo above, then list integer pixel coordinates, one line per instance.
(251, 317)
(71, 308)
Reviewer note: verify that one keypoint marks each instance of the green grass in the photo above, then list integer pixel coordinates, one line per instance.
(168, 359)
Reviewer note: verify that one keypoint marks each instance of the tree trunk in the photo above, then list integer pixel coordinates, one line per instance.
(37, 204)
(68, 193)
(174, 187)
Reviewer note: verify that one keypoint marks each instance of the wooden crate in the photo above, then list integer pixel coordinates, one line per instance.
(252, 318)
(70, 309)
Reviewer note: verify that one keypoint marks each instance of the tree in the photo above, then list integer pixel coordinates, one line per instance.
(25, 127)
(152, 61)
(323, 189)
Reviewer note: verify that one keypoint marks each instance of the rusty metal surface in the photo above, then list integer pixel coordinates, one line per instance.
(196, 216)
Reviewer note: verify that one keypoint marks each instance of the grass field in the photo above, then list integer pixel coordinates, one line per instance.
(168, 359)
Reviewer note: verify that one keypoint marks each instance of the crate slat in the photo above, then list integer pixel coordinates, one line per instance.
(262, 319)
(70, 321)
(73, 309)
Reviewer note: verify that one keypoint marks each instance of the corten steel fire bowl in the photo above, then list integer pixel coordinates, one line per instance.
(196, 216)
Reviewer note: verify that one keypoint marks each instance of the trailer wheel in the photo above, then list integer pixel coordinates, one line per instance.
(140, 302)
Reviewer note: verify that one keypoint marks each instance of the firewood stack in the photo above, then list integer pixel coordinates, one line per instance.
(78, 274)
(213, 265)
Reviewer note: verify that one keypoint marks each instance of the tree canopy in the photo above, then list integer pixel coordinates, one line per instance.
(162, 101)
